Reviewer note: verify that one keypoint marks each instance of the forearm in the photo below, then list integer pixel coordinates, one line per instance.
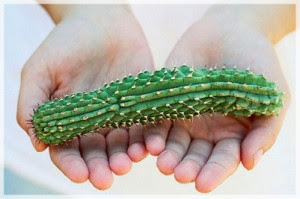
(59, 11)
(273, 21)
(56, 12)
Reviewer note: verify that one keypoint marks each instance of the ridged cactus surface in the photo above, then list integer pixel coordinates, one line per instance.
(182, 92)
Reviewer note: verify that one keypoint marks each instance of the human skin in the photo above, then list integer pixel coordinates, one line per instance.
(89, 46)
(208, 149)
(216, 145)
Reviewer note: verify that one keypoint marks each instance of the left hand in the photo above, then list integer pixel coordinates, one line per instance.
(91, 45)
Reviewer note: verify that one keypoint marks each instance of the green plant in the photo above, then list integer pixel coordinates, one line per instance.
(183, 92)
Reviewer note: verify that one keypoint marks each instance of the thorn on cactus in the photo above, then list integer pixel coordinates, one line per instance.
(149, 97)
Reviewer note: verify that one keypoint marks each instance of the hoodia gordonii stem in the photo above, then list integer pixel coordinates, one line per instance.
(181, 92)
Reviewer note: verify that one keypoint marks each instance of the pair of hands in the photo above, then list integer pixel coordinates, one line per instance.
(91, 46)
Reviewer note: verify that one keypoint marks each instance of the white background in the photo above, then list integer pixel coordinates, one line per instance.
(25, 28)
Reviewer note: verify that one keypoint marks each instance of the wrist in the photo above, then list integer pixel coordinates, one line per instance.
(271, 21)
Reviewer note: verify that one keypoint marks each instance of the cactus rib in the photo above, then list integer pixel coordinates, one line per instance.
(149, 97)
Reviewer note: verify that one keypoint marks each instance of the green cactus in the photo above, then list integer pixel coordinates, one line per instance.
(183, 92)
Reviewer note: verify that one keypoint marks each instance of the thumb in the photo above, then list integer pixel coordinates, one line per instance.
(34, 90)
(262, 136)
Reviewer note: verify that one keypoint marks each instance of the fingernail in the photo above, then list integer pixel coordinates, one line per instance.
(257, 156)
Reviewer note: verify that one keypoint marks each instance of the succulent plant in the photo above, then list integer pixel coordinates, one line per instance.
(182, 92)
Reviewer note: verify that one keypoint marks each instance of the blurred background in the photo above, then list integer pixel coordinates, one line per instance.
(29, 172)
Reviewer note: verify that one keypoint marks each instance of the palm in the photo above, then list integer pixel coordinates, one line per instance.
(84, 75)
(88, 63)
(207, 149)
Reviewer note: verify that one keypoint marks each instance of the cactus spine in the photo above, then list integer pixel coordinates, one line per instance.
(183, 92)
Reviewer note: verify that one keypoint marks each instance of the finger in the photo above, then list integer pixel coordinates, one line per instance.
(38, 145)
(197, 155)
(155, 137)
(260, 139)
(136, 150)
(68, 160)
(177, 145)
(117, 143)
(224, 160)
(34, 90)
(93, 150)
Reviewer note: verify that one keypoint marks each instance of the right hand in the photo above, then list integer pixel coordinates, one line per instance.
(208, 149)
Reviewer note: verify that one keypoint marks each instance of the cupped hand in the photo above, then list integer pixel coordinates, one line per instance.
(88, 47)
(209, 148)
